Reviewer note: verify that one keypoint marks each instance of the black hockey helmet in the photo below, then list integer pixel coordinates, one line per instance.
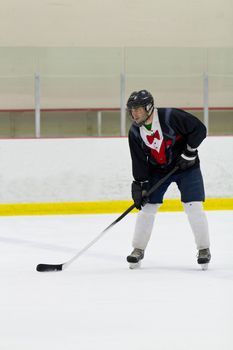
(142, 98)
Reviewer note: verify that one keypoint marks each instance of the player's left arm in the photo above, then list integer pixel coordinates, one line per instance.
(193, 131)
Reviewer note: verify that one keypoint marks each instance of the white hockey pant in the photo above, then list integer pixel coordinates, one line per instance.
(197, 220)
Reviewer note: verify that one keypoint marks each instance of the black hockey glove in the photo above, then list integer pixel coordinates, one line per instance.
(139, 193)
(187, 158)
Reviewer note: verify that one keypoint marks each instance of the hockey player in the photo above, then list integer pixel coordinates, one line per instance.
(159, 140)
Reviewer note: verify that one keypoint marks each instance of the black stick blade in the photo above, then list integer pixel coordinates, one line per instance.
(48, 267)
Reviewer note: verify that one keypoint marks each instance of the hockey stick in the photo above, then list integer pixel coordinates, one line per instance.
(59, 267)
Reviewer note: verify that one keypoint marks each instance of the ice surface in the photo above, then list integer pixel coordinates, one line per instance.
(98, 302)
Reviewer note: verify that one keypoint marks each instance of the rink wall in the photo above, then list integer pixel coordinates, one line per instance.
(54, 176)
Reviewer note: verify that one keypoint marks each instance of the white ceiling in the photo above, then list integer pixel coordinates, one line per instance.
(185, 23)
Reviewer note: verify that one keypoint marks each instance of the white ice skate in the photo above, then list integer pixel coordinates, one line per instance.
(203, 258)
(134, 259)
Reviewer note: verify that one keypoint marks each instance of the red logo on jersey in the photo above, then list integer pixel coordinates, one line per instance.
(150, 138)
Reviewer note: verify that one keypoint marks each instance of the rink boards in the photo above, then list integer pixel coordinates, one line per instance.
(93, 175)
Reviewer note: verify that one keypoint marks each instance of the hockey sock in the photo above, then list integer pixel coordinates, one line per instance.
(198, 222)
(144, 225)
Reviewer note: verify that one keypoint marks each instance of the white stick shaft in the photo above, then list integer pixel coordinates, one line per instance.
(65, 265)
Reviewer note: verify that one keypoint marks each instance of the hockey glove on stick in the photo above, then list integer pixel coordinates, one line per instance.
(139, 193)
(187, 158)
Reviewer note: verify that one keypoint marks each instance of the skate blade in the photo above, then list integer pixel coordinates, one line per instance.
(204, 267)
(133, 266)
